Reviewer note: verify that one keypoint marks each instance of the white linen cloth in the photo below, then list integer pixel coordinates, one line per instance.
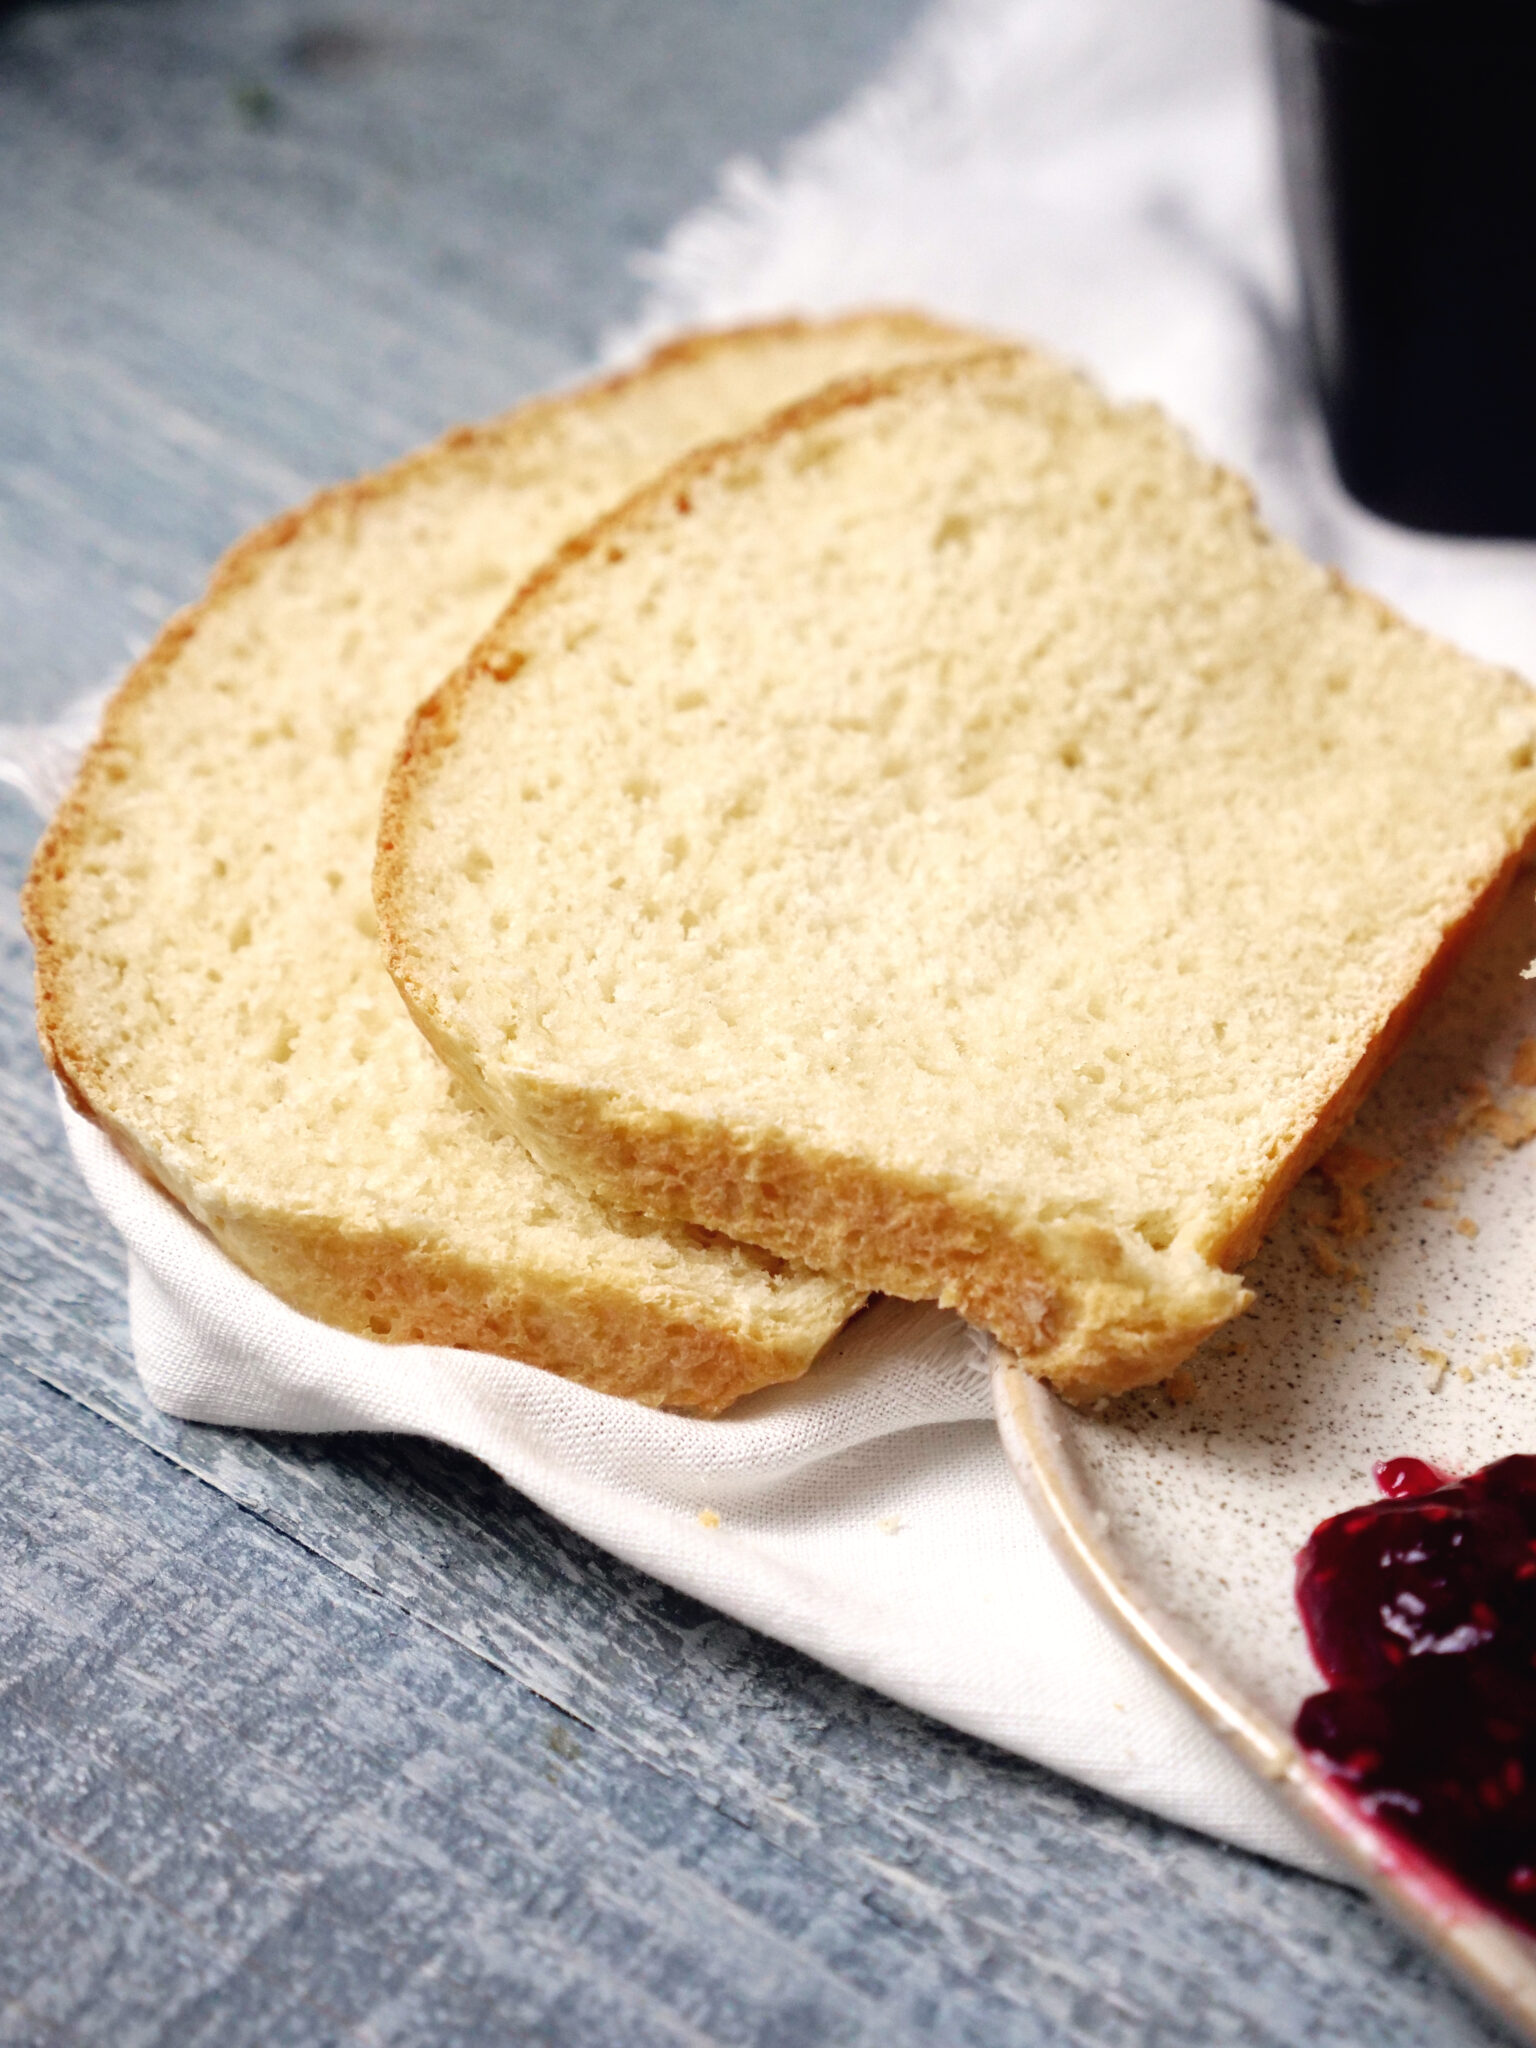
(1098, 174)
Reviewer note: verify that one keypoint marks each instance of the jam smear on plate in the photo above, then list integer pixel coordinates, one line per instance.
(1421, 1612)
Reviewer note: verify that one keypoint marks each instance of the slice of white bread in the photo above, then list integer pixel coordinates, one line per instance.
(210, 986)
(943, 838)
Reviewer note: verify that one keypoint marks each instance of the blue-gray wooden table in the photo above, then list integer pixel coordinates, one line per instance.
(309, 1741)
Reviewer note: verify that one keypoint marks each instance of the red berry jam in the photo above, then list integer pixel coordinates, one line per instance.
(1421, 1613)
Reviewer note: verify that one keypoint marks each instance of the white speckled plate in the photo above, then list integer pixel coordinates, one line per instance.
(1183, 1517)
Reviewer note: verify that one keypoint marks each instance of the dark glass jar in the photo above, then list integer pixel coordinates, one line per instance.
(1409, 137)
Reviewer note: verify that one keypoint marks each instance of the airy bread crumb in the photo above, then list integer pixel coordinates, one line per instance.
(209, 979)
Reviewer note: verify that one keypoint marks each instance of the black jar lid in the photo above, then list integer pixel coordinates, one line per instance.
(1423, 21)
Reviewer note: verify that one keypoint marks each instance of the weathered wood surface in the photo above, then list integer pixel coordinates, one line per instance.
(342, 1741)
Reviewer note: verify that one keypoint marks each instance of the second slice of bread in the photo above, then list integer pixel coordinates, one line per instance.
(944, 839)
(209, 979)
